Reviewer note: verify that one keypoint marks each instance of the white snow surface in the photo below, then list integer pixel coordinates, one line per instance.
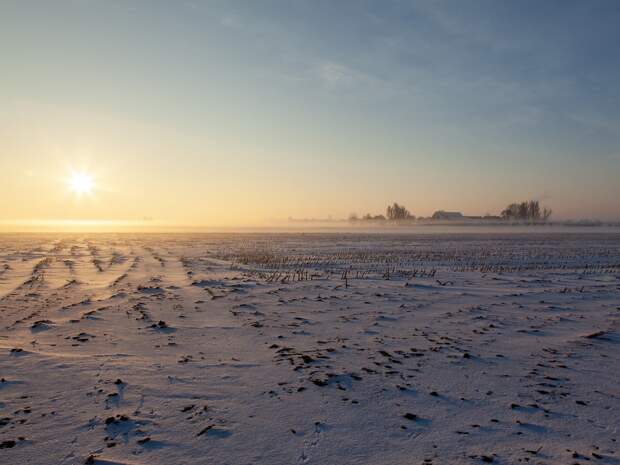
(310, 349)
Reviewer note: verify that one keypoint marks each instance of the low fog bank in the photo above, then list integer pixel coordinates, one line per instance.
(320, 226)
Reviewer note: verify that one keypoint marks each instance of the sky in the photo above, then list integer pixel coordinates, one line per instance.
(244, 113)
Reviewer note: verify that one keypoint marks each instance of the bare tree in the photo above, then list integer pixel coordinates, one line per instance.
(511, 212)
(526, 211)
(533, 210)
(398, 212)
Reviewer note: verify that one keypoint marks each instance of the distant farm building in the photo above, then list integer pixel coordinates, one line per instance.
(443, 215)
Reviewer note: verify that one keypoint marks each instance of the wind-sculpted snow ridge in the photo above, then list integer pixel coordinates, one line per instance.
(309, 349)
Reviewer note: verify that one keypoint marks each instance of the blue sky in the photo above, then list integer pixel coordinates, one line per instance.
(310, 108)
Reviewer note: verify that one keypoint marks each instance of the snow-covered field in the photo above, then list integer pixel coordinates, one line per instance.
(310, 349)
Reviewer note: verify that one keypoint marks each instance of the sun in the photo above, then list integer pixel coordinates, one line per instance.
(81, 183)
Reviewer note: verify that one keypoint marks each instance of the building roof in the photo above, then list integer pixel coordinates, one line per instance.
(443, 215)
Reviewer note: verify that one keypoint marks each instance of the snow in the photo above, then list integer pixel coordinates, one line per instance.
(310, 349)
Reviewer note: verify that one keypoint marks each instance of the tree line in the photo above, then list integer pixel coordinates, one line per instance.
(394, 212)
(526, 211)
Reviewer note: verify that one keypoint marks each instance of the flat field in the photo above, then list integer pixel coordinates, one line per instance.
(287, 349)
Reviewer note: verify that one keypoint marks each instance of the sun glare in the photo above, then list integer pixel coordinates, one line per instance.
(81, 183)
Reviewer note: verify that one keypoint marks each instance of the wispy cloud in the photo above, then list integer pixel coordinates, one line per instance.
(335, 74)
